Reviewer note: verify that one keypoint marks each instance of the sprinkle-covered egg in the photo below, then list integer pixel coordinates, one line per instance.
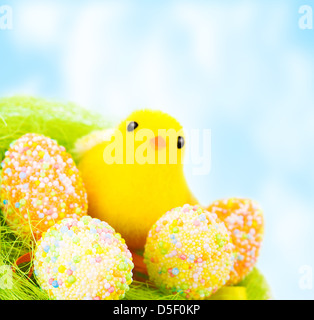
(188, 252)
(40, 184)
(244, 221)
(83, 258)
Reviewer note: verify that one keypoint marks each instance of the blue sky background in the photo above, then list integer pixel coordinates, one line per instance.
(244, 69)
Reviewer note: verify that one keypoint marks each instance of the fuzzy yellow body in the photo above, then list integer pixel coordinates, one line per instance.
(133, 186)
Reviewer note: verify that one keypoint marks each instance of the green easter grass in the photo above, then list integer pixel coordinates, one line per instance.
(66, 123)
(62, 122)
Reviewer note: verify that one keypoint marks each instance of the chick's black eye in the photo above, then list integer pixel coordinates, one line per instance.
(132, 126)
(180, 142)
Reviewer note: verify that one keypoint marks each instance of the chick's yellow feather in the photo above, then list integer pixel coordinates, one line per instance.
(137, 176)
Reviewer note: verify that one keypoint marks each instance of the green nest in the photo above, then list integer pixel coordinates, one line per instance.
(66, 123)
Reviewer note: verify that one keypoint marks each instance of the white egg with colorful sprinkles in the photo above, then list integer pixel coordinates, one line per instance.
(83, 259)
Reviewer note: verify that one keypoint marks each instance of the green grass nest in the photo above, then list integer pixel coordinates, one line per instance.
(66, 123)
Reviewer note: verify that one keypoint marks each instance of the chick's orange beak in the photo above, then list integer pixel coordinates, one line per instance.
(158, 142)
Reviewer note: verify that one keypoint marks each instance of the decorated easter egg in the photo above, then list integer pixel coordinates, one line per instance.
(40, 184)
(83, 258)
(189, 252)
(244, 221)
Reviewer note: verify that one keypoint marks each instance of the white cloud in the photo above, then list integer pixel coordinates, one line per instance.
(29, 86)
(89, 50)
(289, 218)
(38, 24)
(153, 75)
(289, 238)
(285, 129)
(203, 28)
(111, 74)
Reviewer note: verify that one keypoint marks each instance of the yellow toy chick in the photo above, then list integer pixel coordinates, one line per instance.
(136, 175)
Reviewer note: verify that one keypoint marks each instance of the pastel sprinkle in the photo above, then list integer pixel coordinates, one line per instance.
(178, 267)
(90, 268)
(245, 223)
(35, 181)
